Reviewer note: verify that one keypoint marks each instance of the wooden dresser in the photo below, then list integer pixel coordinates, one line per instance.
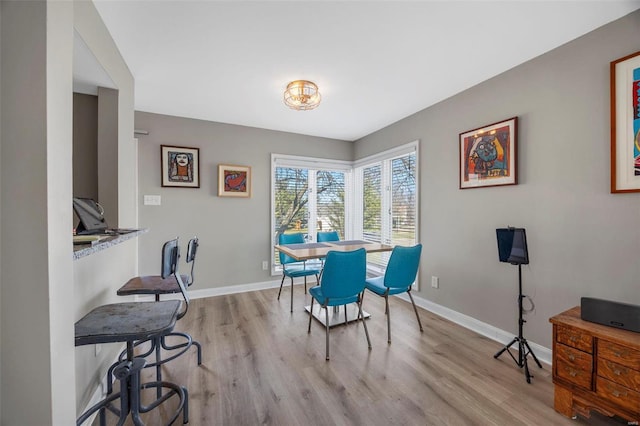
(595, 367)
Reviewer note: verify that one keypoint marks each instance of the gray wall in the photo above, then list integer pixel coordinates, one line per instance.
(85, 146)
(583, 241)
(234, 232)
(96, 278)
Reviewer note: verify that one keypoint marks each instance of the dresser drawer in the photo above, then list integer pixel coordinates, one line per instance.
(578, 374)
(575, 338)
(618, 394)
(619, 374)
(619, 354)
(573, 356)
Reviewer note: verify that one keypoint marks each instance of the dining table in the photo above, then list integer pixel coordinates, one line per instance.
(310, 251)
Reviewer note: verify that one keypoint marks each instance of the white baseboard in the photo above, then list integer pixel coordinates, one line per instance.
(240, 288)
(543, 354)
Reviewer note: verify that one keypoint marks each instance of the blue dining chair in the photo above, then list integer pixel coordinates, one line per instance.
(400, 274)
(342, 283)
(293, 268)
(325, 236)
(322, 237)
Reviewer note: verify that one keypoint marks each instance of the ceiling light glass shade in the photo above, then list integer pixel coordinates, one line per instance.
(302, 95)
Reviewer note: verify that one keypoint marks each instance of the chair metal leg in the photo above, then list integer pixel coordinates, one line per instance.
(157, 344)
(364, 322)
(310, 315)
(415, 310)
(281, 282)
(326, 312)
(386, 300)
(346, 322)
(305, 284)
(291, 294)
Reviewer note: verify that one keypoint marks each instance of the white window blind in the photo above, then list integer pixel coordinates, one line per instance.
(308, 196)
(375, 199)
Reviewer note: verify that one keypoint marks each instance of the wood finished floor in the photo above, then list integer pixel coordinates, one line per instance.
(261, 367)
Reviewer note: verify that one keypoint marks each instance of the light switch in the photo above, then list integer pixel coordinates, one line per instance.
(152, 200)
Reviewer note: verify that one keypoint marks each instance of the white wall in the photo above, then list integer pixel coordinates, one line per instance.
(583, 241)
(97, 277)
(39, 360)
(37, 336)
(234, 232)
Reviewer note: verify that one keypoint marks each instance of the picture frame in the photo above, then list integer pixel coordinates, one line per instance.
(625, 124)
(488, 155)
(234, 181)
(180, 166)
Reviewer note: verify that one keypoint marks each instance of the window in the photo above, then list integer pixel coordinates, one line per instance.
(375, 200)
(386, 189)
(309, 195)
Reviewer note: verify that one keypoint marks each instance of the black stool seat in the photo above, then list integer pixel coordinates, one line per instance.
(123, 322)
(130, 322)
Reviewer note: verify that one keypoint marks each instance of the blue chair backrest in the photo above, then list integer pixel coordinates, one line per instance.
(403, 266)
(297, 238)
(344, 274)
(328, 236)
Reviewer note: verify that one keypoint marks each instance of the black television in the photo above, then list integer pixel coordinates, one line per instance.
(91, 215)
(512, 246)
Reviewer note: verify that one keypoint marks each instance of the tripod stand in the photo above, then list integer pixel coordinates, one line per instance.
(523, 347)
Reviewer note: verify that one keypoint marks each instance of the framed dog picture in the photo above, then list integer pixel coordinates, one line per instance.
(234, 181)
(180, 166)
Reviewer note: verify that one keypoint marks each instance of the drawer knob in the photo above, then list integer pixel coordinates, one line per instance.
(618, 394)
(572, 357)
(617, 372)
(620, 354)
(573, 338)
(573, 373)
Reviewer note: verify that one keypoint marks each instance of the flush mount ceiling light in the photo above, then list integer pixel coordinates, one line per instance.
(302, 95)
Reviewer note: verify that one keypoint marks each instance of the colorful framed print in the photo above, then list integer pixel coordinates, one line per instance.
(488, 155)
(234, 181)
(625, 124)
(180, 166)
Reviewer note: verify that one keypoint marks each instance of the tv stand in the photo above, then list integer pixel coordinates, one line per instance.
(523, 346)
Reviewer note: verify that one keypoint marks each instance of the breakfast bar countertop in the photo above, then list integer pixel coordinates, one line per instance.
(83, 250)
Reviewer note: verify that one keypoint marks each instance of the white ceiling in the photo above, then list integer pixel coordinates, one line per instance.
(374, 62)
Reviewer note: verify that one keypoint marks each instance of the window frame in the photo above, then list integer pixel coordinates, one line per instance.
(385, 159)
(354, 184)
(312, 164)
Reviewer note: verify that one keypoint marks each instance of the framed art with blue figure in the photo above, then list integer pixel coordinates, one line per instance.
(234, 181)
(625, 124)
(180, 166)
(488, 155)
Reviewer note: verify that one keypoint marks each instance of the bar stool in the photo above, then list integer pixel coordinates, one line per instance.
(129, 322)
(169, 282)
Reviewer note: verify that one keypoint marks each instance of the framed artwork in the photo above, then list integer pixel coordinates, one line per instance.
(234, 181)
(625, 124)
(488, 155)
(180, 166)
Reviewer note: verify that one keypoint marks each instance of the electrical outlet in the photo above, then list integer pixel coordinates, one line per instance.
(435, 282)
(265, 265)
(98, 348)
